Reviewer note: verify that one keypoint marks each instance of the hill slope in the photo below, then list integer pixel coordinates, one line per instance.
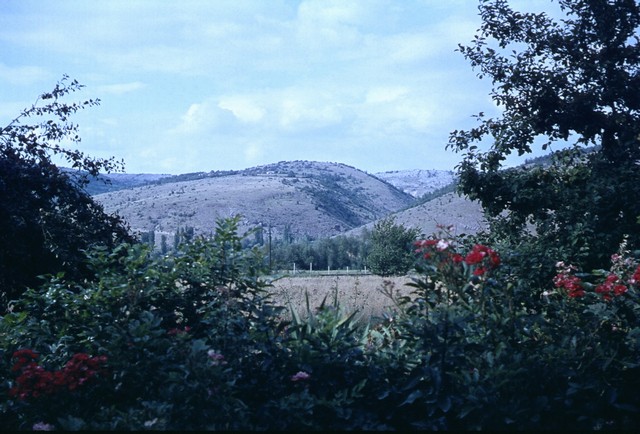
(299, 198)
(418, 182)
(464, 215)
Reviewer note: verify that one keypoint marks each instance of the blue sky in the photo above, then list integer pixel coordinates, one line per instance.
(213, 85)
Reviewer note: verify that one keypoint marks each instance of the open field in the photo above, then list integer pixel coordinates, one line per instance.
(355, 292)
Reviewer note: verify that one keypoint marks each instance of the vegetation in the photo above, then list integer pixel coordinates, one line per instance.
(47, 218)
(192, 339)
(390, 252)
(572, 84)
(336, 253)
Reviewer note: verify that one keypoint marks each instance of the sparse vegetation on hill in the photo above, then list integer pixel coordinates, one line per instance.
(304, 198)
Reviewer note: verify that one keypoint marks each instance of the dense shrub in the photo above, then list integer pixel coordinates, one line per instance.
(192, 341)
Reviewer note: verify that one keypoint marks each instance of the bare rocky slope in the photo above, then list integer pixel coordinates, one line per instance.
(418, 182)
(299, 198)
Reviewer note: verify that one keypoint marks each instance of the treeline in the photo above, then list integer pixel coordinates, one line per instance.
(340, 252)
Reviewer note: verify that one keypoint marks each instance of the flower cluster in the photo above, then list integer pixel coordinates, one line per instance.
(300, 376)
(216, 358)
(442, 253)
(567, 281)
(611, 285)
(484, 257)
(35, 381)
(618, 281)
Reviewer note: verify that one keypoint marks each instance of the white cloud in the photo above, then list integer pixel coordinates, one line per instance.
(243, 107)
(385, 94)
(236, 81)
(202, 119)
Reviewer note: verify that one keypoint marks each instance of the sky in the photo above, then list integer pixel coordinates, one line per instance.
(189, 86)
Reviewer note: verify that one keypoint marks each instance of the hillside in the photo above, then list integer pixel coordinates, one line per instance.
(450, 209)
(120, 181)
(418, 182)
(300, 198)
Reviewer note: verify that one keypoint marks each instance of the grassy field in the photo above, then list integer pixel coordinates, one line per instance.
(355, 292)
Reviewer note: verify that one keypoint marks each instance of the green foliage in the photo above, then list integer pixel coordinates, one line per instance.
(572, 83)
(47, 219)
(175, 330)
(485, 353)
(192, 341)
(390, 252)
(338, 252)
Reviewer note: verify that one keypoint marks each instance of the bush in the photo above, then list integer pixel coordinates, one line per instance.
(192, 341)
(390, 252)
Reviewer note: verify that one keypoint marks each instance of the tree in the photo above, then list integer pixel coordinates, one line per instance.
(47, 218)
(573, 83)
(390, 252)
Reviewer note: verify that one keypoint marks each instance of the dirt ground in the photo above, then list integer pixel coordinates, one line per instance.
(357, 292)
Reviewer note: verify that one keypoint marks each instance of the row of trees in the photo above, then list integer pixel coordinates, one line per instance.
(383, 250)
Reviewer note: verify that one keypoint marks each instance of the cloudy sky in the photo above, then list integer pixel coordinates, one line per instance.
(227, 84)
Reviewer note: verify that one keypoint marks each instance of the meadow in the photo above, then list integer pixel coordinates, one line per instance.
(355, 292)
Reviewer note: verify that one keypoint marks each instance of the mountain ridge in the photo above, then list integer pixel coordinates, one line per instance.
(292, 198)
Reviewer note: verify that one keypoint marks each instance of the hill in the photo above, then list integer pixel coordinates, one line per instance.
(464, 215)
(296, 198)
(418, 182)
(121, 181)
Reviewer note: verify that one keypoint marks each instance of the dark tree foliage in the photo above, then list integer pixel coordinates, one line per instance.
(47, 218)
(574, 83)
(391, 251)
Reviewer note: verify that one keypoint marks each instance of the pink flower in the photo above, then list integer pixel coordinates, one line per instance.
(177, 331)
(442, 245)
(300, 376)
(216, 358)
(41, 426)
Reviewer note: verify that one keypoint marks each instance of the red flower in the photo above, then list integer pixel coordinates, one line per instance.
(572, 284)
(479, 271)
(482, 255)
(611, 285)
(35, 381)
(636, 276)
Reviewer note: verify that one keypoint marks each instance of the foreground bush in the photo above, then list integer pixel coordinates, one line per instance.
(192, 341)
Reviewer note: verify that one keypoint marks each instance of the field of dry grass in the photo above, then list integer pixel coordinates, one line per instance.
(355, 292)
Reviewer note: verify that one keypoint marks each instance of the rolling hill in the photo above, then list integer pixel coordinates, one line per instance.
(297, 198)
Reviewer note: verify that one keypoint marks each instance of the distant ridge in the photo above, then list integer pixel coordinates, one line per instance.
(291, 199)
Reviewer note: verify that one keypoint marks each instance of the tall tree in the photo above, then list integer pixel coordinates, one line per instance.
(572, 83)
(390, 252)
(47, 218)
